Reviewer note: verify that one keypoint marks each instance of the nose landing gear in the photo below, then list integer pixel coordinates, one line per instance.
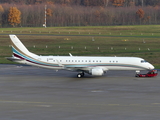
(137, 73)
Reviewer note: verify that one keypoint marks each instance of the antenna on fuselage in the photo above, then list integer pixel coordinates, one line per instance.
(70, 55)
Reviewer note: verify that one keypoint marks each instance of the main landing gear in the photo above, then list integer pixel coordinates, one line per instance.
(79, 75)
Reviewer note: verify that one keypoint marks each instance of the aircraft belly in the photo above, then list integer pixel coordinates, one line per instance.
(124, 68)
(78, 69)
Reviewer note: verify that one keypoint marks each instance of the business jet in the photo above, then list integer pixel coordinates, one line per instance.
(95, 66)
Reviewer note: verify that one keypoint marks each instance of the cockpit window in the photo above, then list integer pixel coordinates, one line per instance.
(143, 61)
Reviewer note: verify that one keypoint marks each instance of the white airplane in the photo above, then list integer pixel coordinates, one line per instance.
(95, 66)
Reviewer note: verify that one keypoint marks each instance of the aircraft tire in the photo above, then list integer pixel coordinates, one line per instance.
(79, 75)
(136, 75)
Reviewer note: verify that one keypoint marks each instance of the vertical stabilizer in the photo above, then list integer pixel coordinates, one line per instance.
(17, 44)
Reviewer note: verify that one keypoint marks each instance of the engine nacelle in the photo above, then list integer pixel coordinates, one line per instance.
(97, 72)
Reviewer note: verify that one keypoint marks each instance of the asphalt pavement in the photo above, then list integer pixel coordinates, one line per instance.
(31, 93)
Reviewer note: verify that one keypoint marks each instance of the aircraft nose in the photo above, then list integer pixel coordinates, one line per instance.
(151, 67)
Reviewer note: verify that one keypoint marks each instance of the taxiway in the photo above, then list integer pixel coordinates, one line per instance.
(30, 93)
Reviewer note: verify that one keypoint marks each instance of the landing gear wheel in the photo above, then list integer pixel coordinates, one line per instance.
(136, 75)
(82, 74)
(79, 75)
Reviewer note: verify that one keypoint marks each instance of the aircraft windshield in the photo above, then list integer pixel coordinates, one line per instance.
(143, 61)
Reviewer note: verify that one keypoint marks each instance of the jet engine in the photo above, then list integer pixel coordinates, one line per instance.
(96, 72)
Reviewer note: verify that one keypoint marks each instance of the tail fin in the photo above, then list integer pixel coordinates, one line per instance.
(18, 46)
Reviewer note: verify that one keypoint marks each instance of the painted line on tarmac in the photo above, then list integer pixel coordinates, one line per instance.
(51, 104)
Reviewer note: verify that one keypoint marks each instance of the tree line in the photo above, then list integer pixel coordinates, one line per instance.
(23, 15)
(103, 3)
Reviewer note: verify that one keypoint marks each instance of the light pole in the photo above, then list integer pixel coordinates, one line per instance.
(45, 17)
(142, 3)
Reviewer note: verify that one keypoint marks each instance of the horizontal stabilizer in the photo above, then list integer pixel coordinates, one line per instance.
(13, 59)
